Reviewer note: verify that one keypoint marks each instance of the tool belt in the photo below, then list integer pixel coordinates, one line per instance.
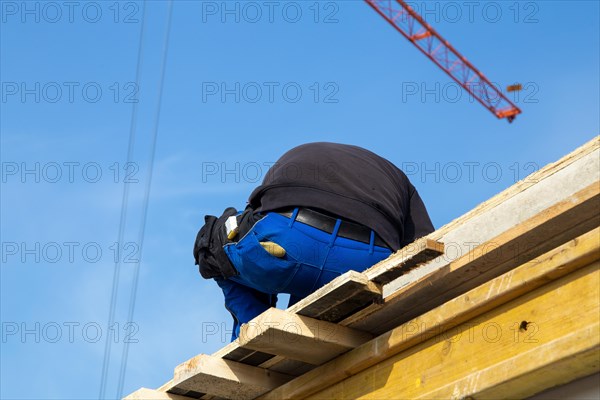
(209, 255)
(326, 223)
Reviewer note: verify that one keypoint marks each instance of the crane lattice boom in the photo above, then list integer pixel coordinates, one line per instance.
(410, 24)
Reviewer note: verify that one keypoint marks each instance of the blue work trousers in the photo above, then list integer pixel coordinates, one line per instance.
(312, 259)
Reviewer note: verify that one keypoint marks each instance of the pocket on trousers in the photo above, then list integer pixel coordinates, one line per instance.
(258, 268)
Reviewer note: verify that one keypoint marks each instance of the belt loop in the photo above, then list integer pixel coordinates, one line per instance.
(293, 216)
(372, 243)
(338, 222)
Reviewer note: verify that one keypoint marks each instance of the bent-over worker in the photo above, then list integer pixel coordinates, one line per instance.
(322, 209)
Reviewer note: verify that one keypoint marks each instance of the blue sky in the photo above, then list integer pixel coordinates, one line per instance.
(243, 83)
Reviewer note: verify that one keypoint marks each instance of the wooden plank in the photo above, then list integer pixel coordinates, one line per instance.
(524, 242)
(341, 297)
(149, 394)
(298, 337)
(491, 356)
(551, 266)
(206, 374)
(338, 299)
(588, 153)
(552, 184)
(560, 361)
(411, 256)
(234, 352)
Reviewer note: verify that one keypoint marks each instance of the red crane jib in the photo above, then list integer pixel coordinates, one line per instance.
(413, 27)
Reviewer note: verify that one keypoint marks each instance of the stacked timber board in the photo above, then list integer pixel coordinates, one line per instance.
(279, 345)
(391, 331)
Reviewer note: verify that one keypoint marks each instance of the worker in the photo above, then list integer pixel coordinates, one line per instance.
(321, 210)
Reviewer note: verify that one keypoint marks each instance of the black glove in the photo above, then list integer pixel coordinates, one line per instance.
(208, 248)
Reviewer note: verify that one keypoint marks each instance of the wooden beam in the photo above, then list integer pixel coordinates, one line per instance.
(518, 282)
(584, 158)
(206, 374)
(342, 296)
(299, 338)
(546, 230)
(409, 257)
(530, 337)
(560, 361)
(349, 291)
(339, 298)
(539, 191)
(149, 394)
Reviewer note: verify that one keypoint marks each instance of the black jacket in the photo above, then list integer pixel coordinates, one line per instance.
(350, 182)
